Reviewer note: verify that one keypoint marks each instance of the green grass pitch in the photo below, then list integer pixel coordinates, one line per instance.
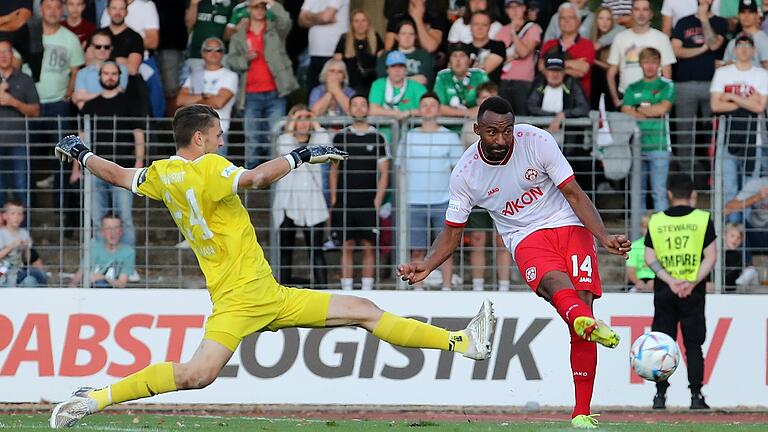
(151, 423)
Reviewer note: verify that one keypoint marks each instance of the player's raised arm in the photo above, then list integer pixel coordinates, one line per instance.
(73, 148)
(267, 173)
(445, 243)
(587, 213)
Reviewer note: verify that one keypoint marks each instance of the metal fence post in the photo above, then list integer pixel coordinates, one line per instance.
(717, 201)
(85, 235)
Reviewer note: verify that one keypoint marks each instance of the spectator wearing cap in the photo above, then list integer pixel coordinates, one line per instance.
(521, 37)
(456, 86)
(87, 82)
(578, 52)
(419, 66)
(326, 20)
(697, 40)
(257, 53)
(395, 95)
(585, 15)
(487, 54)
(627, 46)
(649, 101)
(461, 30)
(557, 94)
(672, 11)
(739, 91)
(212, 84)
(749, 20)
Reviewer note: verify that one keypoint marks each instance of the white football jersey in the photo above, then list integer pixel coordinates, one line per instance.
(521, 193)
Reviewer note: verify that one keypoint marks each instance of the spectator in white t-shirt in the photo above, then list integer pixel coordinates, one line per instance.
(326, 20)
(212, 84)
(673, 10)
(625, 51)
(143, 19)
(740, 91)
(460, 29)
(427, 155)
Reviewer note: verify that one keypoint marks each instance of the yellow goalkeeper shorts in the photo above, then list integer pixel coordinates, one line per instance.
(264, 305)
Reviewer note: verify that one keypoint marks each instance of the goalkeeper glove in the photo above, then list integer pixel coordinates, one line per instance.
(72, 147)
(315, 155)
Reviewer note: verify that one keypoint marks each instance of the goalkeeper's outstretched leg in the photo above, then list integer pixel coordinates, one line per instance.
(473, 342)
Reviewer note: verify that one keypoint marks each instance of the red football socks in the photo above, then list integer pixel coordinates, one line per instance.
(583, 353)
(570, 306)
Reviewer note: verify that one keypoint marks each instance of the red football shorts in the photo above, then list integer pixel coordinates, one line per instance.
(568, 249)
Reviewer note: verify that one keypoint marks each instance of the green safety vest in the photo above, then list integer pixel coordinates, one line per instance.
(678, 242)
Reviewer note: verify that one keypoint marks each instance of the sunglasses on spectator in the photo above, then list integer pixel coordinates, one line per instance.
(336, 70)
(213, 49)
(102, 47)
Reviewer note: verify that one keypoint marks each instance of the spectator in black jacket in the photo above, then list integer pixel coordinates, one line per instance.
(556, 94)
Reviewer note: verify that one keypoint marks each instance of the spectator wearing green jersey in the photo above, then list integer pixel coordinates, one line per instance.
(456, 86)
(640, 276)
(649, 100)
(205, 19)
(395, 95)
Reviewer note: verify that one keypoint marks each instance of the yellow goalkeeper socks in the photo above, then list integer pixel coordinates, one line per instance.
(410, 333)
(152, 380)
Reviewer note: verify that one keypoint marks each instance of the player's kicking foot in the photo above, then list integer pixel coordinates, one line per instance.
(480, 332)
(585, 421)
(69, 412)
(595, 331)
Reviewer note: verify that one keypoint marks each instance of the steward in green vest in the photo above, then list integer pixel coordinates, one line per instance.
(680, 249)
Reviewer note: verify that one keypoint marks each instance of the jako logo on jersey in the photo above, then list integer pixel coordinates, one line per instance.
(530, 274)
(531, 174)
(228, 171)
(585, 279)
(493, 191)
(527, 198)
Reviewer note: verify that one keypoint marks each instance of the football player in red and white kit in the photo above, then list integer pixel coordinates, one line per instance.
(519, 174)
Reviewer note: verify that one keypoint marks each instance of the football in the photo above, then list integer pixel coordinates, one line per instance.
(654, 356)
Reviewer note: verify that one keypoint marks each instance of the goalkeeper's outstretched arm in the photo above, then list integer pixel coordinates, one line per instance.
(72, 148)
(267, 173)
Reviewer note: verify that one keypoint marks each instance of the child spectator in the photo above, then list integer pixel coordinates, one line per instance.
(639, 274)
(112, 262)
(738, 269)
(15, 251)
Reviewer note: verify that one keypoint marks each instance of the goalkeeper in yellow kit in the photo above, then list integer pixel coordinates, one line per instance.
(200, 189)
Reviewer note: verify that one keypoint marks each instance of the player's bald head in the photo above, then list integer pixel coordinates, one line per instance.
(190, 119)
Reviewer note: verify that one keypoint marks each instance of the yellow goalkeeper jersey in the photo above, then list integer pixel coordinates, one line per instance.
(201, 196)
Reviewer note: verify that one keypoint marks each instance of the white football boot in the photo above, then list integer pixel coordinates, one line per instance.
(480, 332)
(69, 412)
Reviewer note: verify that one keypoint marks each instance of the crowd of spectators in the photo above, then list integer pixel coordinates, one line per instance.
(254, 58)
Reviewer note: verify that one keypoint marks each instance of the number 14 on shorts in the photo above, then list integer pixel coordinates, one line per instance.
(581, 271)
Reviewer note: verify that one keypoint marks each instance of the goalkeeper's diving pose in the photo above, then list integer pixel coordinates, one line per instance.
(199, 188)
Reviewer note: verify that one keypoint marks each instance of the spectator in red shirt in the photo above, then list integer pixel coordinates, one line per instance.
(257, 53)
(579, 52)
(75, 22)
